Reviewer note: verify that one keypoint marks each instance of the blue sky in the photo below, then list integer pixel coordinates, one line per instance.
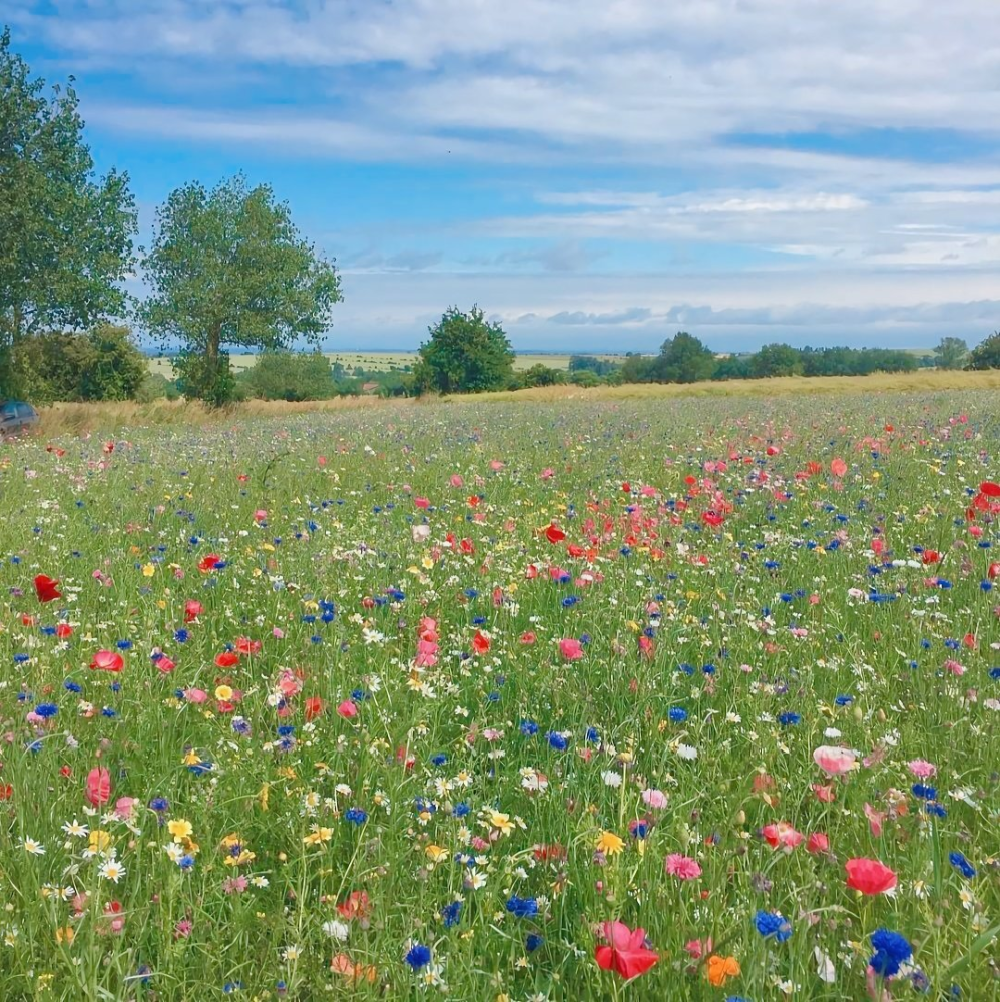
(597, 174)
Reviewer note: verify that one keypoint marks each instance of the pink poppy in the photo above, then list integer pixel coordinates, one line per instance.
(782, 836)
(869, 876)
(107, 661)
(98, 788)
(833, 760)
(571, 649)
(656, 799)
(818, 842)
(627, 953)
(347, 709)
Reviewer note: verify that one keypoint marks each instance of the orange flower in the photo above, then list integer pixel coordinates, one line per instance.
(720, 968)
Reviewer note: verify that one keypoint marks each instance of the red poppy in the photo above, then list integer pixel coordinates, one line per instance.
(226, 659)
(98, 788)
(46, 589)
(314, 707)
(838, 467)
(6, 791)
(627, 953)
(357, 906)
(64, 630)
(869, 876)
(247, 646)
(994, 570)
(208, 562)
(930, 556)
(990, 489)
(480, 642)
(107, 661)
(818, 842)
(192, 610)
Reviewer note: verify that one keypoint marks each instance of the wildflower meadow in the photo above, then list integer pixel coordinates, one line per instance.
(676, 699)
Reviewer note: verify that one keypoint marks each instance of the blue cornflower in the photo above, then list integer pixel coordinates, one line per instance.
(461, 810)
(772, 924)
(995, 673)
(961, 864)
(522, 907)
(891, 951)
(439, 759)
(159, 804)
(557, 741)
(186, 862)
(451, 914)
(70, 686)
(844, 700)
(677, 714)
(533, 942)
(922, 792)
(789, 719)
(936, 809)
(593, 735)
(528, 728)
(46, 709)
(418, 956)
(356, 816)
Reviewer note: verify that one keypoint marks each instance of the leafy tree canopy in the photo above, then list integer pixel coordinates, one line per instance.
(466, 353)
(65, 237)
(227, 267)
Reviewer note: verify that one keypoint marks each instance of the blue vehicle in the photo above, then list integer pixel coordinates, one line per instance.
(16, 416)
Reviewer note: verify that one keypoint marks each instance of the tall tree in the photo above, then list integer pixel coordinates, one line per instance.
(951, 353)
(65, 236)
(683, 359)
(466, 353)
(986, 354)
(227, 267)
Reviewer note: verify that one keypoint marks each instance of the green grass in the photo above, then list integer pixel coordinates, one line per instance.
(713, 657)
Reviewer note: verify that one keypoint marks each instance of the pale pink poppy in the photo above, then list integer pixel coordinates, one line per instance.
(782, 836)
(656, 799)
(195, 695)
(922, 769)
(833, 760)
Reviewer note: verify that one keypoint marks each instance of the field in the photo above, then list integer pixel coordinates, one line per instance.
(382, 361)
(585, 696)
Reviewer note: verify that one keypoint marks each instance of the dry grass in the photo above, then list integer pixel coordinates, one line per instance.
(76, 419)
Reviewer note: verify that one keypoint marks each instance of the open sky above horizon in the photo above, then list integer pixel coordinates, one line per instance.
(597, 174)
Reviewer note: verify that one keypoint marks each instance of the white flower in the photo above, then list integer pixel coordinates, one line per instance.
(613, 779)
(75, 828)
(291, 954)
(35, 848)
(339, 931)
(687, 752)
(112, 870)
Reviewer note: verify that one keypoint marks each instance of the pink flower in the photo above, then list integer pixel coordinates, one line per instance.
(869, 876)
(627, 953)
(195, 695)
(875, 819)
(124, 807)
(456, 480)
(682, 867)
(656, 799)
(347, 709)
(818, 842)
(571, 649)
(833, 760)
(922, 769)
(782, 836)
(954, 667)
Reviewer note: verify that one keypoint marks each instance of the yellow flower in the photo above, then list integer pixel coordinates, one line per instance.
(223, 692)
(191, 758)
(436, 854)
(609, 843)
(320, 835)
(148, 570)
(99, 840)
(65, 935)
(180, 829)
(501, 821)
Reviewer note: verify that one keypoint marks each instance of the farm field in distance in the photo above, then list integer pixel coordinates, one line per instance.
(506, 699)
(382, 361)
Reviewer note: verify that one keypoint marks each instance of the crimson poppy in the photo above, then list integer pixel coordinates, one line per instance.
(46, 588)
(869, 876)
(208, 562)
(626, 952)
